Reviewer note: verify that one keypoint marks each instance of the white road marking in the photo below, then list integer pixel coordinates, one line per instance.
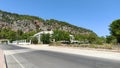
(14, 58)
(11, 52)
(18, 62)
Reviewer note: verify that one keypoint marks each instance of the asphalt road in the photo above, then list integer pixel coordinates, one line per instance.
(19, 57)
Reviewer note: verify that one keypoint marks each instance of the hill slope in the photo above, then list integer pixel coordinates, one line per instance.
(28, 23)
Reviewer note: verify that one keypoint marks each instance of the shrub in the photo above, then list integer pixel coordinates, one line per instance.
(45, 38)
(34, 40)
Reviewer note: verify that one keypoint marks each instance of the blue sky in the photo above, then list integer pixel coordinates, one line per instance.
(95, 15)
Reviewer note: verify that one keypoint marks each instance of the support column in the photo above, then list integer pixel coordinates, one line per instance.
(39, 40)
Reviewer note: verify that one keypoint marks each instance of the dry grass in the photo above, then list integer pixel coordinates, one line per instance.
(104, 46)
(109, 47)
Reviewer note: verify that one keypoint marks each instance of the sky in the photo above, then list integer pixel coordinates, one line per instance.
(95, 15)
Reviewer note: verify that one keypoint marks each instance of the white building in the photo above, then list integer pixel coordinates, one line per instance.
(72, 39)
(38, 35)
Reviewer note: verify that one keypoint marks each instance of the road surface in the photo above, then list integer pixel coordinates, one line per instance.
(20, 57)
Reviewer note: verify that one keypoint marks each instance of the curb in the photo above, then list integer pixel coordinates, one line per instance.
(5, 63)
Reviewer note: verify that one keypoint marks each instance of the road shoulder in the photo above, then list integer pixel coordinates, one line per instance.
(2, 59)
(78, 51)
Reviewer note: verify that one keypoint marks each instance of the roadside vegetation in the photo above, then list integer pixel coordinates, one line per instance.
(26, 26)
(87, 40)
(15, 35)
(45, 38)
(93, 41)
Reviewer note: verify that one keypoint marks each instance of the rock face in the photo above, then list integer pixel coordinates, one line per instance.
(28, 23)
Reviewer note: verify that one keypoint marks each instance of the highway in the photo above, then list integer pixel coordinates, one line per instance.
(20, 57)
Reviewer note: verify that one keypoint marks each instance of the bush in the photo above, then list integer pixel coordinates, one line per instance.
(107, 46)
(60, 35)
(55, 44)
(45, 38)
(34, 40)
(84, 45)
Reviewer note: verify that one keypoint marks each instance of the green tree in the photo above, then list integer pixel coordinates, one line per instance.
(115, 29)
(11, 36)
(101, 40)
(19, 34)
(82, 38)
(45, 38)
(92, 38)
(60, 35)
(111, 39)
(34, 40)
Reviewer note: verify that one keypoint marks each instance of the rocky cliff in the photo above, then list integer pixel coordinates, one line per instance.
(28, 23)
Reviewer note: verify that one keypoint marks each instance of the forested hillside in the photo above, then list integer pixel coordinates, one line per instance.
(26, 24)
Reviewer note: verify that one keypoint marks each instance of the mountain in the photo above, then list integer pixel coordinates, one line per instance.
(28, 23)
